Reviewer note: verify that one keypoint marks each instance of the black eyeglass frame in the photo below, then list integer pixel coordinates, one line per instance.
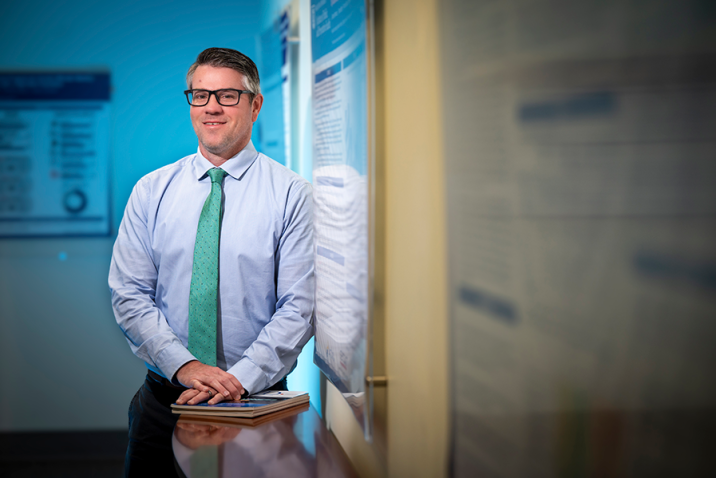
(215, 93)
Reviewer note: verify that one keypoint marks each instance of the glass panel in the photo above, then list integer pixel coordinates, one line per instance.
(341, 195)
(580, 139)
(272, 131)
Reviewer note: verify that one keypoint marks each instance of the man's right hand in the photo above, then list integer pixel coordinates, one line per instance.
(194, 436)
(203, 377)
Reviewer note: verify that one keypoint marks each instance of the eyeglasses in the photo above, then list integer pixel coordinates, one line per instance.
(225, 97)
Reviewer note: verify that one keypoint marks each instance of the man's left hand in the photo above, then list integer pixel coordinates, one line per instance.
(194, 436)
(208, 380)
(193, 396)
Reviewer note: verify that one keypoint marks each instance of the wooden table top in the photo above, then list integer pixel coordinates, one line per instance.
(294, 442)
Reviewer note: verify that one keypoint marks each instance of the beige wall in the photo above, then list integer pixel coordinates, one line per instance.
(411, 215)
(415, 295)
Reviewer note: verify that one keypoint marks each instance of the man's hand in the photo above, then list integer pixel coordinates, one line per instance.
(194, 436)
(207, 382)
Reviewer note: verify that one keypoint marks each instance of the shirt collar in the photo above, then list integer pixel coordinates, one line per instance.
(235, 166)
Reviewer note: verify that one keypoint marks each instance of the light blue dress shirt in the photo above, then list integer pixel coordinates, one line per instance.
(266, 274)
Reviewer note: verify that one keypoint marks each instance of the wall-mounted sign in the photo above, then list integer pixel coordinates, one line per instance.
(54, 154)
(340, 181)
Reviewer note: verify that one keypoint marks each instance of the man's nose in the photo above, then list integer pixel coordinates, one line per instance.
(213, 104)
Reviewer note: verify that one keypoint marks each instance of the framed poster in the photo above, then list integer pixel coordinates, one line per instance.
(341, 170)
(54, 154)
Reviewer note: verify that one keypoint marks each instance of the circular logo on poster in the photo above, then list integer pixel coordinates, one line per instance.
(75, 201)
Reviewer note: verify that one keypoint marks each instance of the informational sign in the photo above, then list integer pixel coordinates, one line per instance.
(580, 144)
(341, 193)
(54, 154)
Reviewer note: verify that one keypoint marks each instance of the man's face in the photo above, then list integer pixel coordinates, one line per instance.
(223, 131)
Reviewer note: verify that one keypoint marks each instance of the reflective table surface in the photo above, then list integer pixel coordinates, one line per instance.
(294, 442)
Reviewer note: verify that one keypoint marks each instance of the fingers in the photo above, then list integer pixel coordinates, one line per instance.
(230, 389)
(199, 385)
(194, 396)
(226, 384)
(198, 397)
(210, 395)
(202, 377)
(216, 399)
(187, 395)
(225, 389)
(238, 389)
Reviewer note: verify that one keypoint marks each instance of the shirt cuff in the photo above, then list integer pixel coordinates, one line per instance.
(251, 377)
(171, 359)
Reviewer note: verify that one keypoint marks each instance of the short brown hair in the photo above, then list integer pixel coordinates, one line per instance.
(228, 58)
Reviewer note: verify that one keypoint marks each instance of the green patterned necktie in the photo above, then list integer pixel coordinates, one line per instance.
(205, 276)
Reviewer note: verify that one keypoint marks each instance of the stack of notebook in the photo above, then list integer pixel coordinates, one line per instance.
(251, 407)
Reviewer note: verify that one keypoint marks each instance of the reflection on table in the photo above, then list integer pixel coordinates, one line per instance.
(294, 442)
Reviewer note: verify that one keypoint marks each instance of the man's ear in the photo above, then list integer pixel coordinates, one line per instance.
(256, 107)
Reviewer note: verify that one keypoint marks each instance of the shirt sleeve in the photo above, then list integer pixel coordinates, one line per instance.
(278, 345)
(133, 282)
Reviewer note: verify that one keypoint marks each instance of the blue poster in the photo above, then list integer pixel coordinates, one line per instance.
(54, 154)
(340, 164)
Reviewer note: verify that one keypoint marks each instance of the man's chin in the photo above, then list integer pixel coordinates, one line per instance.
(216, 149)
(222, 150)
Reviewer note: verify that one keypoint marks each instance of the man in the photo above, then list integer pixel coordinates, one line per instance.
(212, 271)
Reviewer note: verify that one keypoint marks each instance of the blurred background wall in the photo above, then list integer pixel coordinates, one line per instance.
(580, 155)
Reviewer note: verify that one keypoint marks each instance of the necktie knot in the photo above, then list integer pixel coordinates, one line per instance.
(216, 174)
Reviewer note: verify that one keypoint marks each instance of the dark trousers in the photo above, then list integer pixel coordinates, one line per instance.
(151, 424)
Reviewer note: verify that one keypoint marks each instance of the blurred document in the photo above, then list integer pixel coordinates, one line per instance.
(340, 190)
(580, 139)
(54, 154)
